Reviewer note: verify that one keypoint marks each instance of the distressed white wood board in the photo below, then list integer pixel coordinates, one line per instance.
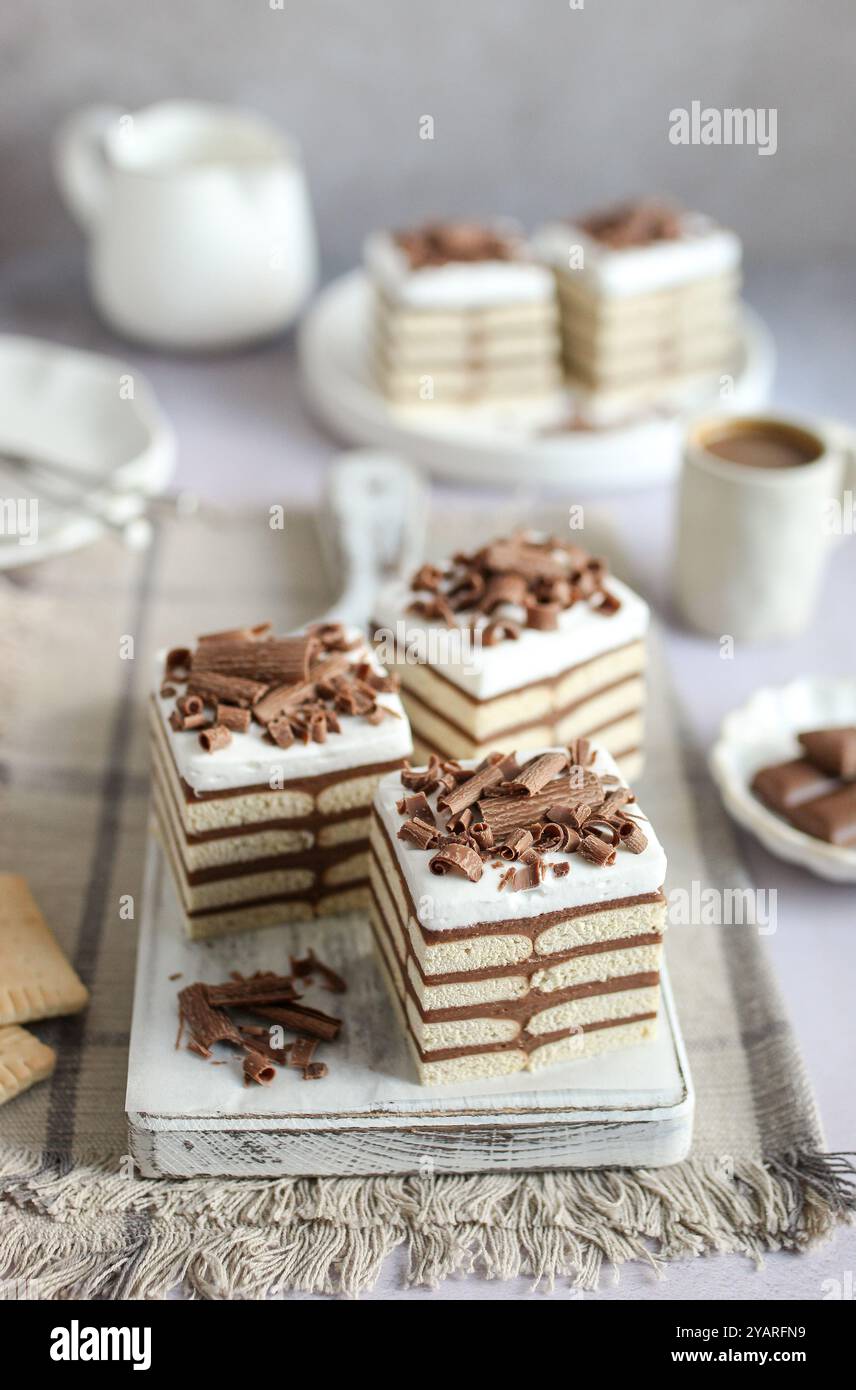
(187, 1117)
(503, 443)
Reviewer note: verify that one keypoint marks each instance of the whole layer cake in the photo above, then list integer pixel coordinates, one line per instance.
(649, 304)
(518, 910)
(462, 315)
(525, 642)
(266, 754)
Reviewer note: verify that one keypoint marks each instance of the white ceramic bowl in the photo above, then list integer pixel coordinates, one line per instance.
(764, 731)
(84, 411)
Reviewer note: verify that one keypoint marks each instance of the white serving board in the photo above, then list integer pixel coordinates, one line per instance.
(503, 445)
(187, 1117)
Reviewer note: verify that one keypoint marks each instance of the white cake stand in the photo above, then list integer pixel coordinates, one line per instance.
(500, 445)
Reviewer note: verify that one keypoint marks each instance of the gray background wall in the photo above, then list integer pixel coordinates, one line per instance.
(538, 108)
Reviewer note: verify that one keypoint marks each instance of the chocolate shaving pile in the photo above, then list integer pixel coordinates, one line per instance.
(520, 581)
(296, 688)
(503, 812)
(204, 1010)
(437, 243)
(633, 224)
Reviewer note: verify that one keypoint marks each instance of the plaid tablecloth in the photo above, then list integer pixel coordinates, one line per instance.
(74, 1220)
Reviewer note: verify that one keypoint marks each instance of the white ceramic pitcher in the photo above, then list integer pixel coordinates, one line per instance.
(201, 228)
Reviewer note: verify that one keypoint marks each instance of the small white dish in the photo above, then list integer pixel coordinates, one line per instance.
(81, 411)
(500, 445)
(765, 731)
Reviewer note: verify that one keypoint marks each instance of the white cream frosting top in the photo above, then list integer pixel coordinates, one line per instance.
(456, 284)
(446, 901)
(251, 760)
(484, 672)
(703, 250)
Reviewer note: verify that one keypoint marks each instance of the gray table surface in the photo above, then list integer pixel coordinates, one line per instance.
(245, 435)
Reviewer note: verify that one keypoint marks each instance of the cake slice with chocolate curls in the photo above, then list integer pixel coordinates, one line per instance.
(527, 930)
(266, 752)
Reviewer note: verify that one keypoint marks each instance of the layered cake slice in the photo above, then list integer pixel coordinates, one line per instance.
(266, 754)
(649, 304)
(525, 642)
(462, 315)
(518, 910)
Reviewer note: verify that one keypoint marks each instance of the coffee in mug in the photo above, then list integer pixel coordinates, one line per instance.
(753, 532)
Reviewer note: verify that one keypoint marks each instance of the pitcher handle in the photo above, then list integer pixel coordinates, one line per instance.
(79, 161)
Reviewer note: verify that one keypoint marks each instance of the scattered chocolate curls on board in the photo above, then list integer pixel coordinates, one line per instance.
(521, 581)
(213, 1013)
(817, 792)
(506, 813)
(295, 687)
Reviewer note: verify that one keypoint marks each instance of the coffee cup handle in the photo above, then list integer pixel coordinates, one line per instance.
(842, 437)
(80, 164)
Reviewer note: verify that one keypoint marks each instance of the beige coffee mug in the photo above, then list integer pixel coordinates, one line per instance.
(753, 535)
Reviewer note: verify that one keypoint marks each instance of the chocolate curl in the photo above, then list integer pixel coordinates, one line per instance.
(167, 691)
(416, 805)
(562, 869)
(596, 851)
(332, 636)
(466, 592)
(316, 1071)
(233, 718)
(605, 603)
(189, 705)
(281, 700)
(422, 779)
(205, 1024)
(215, 688)
(631, 837)
(459, 825)
(613, 801)
(466, 793)
(310, 965)
(301, 1019)
(236, 634)
(596, 825)
(182, 722)
(530, 875)
(439, 242)
(516, 843)
(419, 833)
(281, 732)
(300, 1057)
(503, 588)
(283, 660)
(257, 1040)
(457, 859)
(532, 561)
(436, 609)
(580, 752)
(243, 994)
(380, 713)
(500, 631)
(177, 664)
(504, 813)
(257, 1067)
(482, 834)
(544, 617)
(366, 673)
(217, 736)
(537, 773)
(427, 577)
(551, 836)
